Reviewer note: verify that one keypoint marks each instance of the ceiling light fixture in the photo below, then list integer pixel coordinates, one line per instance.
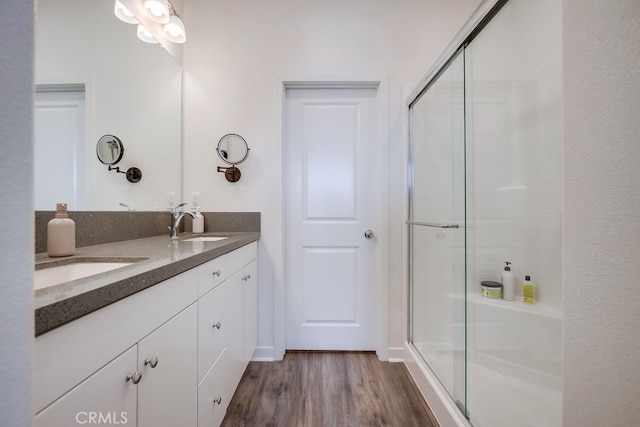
(145, 35)
(174, 29)
(123, 13)
(157, 10)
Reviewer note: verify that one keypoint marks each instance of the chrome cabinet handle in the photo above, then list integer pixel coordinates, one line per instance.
(217, 273)
(153, 362)
(135, 377)
(217, 325)
(368, 234)
(247, 277)
(217, 400)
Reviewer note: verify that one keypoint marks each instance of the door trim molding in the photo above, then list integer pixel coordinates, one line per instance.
(309, 81)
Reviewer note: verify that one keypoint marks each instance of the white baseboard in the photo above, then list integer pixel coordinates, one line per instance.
(263, 354)
(396, 354)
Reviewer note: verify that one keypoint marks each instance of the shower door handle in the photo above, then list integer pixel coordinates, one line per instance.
(431, 224)
(368, 234)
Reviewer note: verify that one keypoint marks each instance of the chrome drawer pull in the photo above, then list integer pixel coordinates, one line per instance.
(153, 362)
(135, 377)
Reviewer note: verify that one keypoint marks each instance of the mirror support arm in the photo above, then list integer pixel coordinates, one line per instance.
(133, 174)
(232, 173)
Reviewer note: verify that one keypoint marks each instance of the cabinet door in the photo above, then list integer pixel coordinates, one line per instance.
(250, 284)
(106, 397)
(167, 357)
(212, 327)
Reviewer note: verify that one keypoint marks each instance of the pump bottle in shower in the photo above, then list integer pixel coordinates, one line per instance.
(508, 283)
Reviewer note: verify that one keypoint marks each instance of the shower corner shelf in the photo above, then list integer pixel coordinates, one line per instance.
(538, 309)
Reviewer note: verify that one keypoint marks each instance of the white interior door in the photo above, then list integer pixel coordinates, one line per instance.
(331, 201)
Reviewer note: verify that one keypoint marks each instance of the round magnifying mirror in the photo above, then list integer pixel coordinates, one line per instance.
(109, 150)
(232, 149)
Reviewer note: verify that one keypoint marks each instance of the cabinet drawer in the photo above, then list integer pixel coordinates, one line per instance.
(211, 274)
(212, 327)
(214, 394)
(241, 257)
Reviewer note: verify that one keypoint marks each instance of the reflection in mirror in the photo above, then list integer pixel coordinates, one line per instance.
(109, 150)
(93, 78)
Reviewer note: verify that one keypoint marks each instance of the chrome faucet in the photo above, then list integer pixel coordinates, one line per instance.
(176, 216)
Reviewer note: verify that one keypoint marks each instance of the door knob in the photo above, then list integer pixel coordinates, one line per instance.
(368, 234)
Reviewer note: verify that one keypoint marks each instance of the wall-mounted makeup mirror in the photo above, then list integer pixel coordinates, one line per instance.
(110, 151)
(233, 150)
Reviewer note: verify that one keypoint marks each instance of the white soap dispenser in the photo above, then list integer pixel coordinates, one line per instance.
(508, 283)
(197, 222)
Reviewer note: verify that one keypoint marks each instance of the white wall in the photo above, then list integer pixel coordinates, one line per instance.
(602, 205)
(234, 61)
(16, 230)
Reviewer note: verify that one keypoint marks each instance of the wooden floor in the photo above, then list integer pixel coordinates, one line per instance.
(329, 389)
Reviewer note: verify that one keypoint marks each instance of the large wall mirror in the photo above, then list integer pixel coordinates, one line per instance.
(95, 77)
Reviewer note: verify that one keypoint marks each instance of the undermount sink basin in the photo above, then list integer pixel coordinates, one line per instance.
(61, 271)
(205, 239)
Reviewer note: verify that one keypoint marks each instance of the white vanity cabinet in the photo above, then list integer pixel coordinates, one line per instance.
(225, 351)
(150, 384)
(183, 341)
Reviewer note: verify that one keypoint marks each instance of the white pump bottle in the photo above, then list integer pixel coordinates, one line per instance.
(508, 283)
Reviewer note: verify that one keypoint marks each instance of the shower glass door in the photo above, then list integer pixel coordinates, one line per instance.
(437, 326)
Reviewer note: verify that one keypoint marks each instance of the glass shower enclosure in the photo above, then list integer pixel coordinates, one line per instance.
(437, 228)
(485, 187)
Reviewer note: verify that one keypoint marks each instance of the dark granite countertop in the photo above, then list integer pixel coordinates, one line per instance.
(164, 258)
